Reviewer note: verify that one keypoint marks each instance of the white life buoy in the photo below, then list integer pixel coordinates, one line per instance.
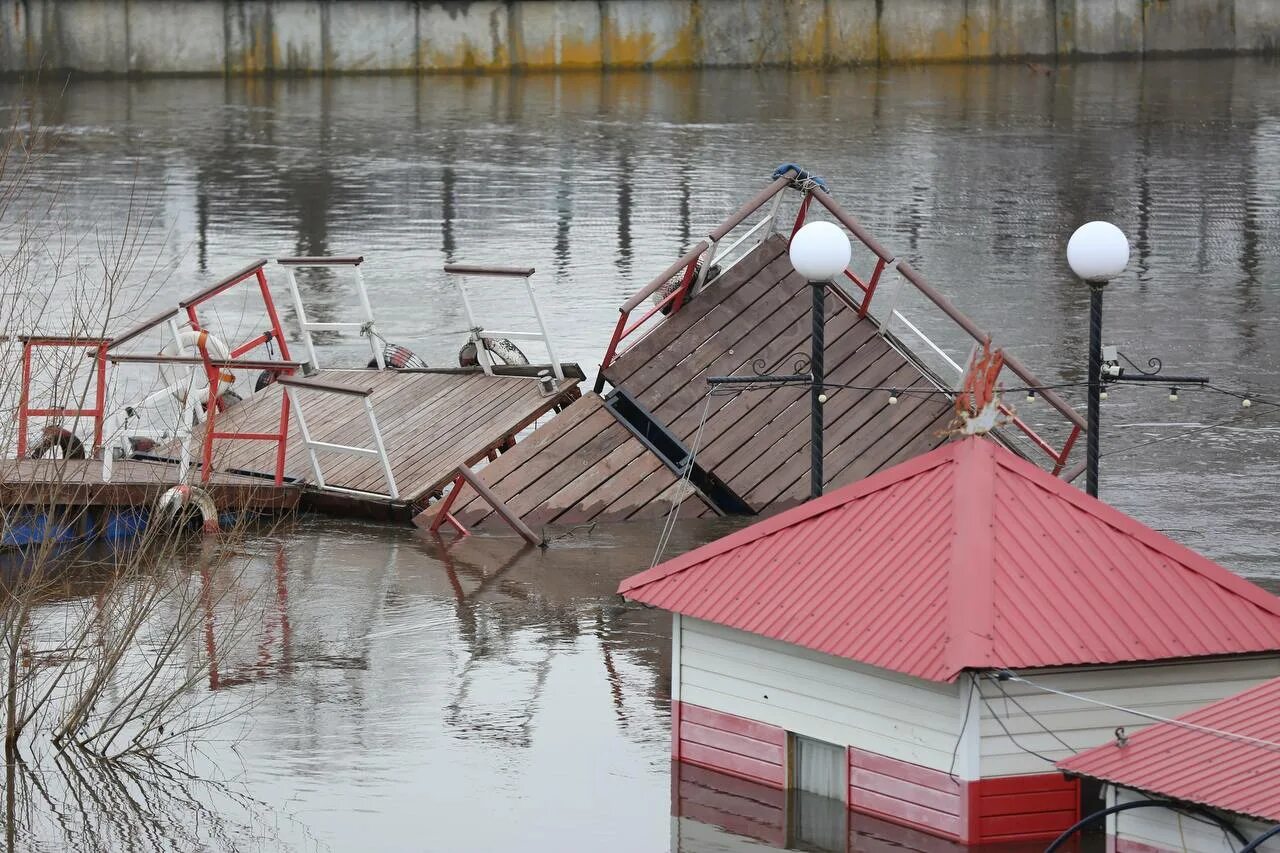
(189, 342)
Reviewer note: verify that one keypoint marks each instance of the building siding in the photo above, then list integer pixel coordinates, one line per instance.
(819, 696)
(908, 794)
(735, 745)
(1014, 722)
(1160, 830)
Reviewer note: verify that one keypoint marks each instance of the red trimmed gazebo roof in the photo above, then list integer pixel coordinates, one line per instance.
(967, 557)
(1225, 755)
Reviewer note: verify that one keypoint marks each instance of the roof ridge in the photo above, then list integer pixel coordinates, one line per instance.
(971, 594)
(833, 500)
(1123, 522)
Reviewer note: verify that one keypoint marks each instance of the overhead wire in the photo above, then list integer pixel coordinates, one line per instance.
(1009, 675)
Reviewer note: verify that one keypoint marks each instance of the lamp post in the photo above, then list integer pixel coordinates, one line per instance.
(1097, 253)
(820, 251)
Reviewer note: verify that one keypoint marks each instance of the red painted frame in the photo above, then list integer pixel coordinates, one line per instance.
(214, 373)
(98, 412)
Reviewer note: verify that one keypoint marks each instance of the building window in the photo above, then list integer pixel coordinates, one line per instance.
(819, 813)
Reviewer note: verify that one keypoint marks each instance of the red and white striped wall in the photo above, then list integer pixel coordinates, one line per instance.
(1018, 808)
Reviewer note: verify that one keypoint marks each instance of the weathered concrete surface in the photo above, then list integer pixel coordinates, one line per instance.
(177, 37)
(1188, 26)
(370, 35)
(1257, 26)
(854, 31)
(452, 37)
(648, 34)
(555, 34)
(113, 37)
(743, 32)
(1099, 27)
(923, 31)
(1005, 29)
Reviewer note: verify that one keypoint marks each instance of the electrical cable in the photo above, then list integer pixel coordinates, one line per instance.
(1222, 733)
(1068, 747)
(1009, 734)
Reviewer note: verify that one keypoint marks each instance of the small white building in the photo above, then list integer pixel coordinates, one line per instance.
(1209, 781)
(926, 643)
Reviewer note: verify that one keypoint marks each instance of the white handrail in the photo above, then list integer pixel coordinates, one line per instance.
(378, 450)
(475, 329)
(306, 327)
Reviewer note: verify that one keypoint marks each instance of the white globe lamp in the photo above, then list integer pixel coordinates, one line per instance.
(1098, 252)
(820, 251)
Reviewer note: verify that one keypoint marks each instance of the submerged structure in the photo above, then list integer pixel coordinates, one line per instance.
(271, 427)
(924, 644)
(734, 306)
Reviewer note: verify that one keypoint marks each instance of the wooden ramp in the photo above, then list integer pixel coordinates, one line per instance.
(583, 465)
(431, 421)
(615, 458)
(134, 483)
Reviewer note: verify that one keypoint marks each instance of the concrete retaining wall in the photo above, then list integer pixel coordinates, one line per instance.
(211, 37)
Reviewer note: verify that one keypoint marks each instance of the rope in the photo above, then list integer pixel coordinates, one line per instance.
(804, 180)
(678, 495)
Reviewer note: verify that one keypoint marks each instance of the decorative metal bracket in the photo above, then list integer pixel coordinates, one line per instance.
(1113, 371)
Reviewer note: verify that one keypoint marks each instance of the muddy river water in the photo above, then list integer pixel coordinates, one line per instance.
(483, 697)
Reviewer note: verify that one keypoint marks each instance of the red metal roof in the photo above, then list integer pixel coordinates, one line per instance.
(966, 557)
(1238, 774)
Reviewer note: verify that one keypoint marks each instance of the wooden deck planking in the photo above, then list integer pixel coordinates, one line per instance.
(568, 471)
(785, 433)
(674, 326)
(865, 426)
(756, 442)
(777, 411)
(134, 483)
(683, 411)
(508, 477)
(689, 353)
(431, 422)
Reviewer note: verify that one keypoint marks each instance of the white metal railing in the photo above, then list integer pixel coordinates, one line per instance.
(364, 326)
(291, 386)
(476, 336)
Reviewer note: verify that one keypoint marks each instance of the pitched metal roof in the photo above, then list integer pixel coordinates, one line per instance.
(967, 557)
(1237, 772)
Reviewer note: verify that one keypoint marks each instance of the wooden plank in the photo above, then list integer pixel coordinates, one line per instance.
(778, 411)
(767, 477)
(778, 314)
(501, 417)
(793, 338)
(786, 432)
(570, 442)
(856, 434)
(734, 309)
(564, 460)
(527, 451)
(463, 436)
(672, 327)
(565, 505)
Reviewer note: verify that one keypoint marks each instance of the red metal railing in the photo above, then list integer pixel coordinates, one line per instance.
(884, 260)
(98, 412)
(214, 372)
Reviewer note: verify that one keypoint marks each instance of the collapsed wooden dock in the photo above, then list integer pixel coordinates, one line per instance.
(623, 453)
(429, 422)
(377, 441)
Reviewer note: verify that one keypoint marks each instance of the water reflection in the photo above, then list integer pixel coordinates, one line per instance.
(415, 689)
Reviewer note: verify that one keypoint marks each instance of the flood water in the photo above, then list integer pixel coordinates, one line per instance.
(481, 697)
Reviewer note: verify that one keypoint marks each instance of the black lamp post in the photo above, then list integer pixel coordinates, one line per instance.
(1097, 253)
(820, 251)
